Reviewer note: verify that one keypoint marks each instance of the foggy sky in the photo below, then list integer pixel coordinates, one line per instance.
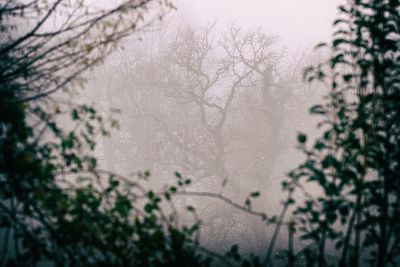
(247, 147)
(298, 23)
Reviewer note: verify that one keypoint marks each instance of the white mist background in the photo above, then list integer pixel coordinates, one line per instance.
(299, 26)
(298, 23)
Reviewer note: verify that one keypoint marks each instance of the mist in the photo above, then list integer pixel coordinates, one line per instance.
(215, 92)
(199, 133)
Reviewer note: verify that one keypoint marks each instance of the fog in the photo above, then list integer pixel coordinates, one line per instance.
(297, 23)
(214, 91)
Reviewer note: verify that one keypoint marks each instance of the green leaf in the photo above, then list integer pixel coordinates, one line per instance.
(337, 42)
(320, 45)
(272, 219)
(344, 211)
(148, 208)
(190, 208)
(89, 48)
(123, 206)
(339, 244)
(233, 253)
(112, 183)
(348, 77)
(172, 189)
(247, 203)
(343, 9)
(255, 194)
(301, 138)
(75, 114)
(115, 124)
(290, 201)
(319, 145)
(317, 109)
(339, 21)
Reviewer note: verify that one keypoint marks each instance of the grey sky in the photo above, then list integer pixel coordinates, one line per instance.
(299, 23)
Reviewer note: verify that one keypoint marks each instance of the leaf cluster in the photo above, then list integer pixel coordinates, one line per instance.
(355, 163)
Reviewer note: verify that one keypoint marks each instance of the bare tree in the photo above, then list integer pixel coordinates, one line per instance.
(48, 45)
(213, 107)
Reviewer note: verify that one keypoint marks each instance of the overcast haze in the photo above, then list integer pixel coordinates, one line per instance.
(235, 136)
(298, 23)
(140, 134)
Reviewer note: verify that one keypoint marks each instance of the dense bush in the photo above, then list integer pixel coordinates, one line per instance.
(355, 162)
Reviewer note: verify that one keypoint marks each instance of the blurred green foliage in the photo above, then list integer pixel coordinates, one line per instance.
(56, 205)
(355, 163)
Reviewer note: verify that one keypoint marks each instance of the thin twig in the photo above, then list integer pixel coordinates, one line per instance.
(225, 199)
